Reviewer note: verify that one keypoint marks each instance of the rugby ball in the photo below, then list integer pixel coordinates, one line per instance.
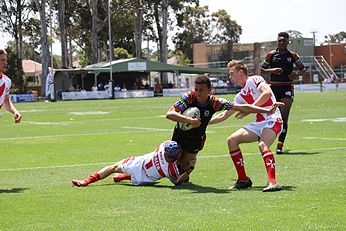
(192, 112)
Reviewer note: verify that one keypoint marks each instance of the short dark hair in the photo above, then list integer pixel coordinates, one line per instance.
(202, 79)
(283, 34)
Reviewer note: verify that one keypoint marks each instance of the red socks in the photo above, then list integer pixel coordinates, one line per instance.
(269, 162)
(238, 162)
(93, 178)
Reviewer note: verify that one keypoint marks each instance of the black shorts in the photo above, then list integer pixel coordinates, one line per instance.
(281, 92)
(191, 144)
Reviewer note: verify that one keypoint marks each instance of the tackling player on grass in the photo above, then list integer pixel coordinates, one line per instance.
(267, 127)
(143, 169)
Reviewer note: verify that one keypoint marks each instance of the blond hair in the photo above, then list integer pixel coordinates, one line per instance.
(239, 65)
(3, 52)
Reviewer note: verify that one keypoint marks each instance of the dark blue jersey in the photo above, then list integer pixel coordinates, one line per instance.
(284, 60)
(207, 110)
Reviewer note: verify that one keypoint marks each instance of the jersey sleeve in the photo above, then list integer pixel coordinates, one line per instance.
(220, 103)
(184, 101)
(296, 58)
(267, 60)
(238, 99)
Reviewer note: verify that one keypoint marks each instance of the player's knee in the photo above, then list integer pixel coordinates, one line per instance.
(231, 141)
(114, 168)
(262, 146)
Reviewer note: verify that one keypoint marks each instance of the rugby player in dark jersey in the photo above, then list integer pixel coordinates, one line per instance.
(279, 64)
(192, 141)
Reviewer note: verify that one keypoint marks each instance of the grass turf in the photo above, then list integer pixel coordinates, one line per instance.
(57, 142)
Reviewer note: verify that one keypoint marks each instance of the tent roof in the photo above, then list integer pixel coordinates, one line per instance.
(138, 65)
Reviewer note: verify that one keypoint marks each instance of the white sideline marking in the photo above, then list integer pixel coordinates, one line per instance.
(322, 138)
(153, 129)
(336, 120)
(46, 123)
(107, 163)
(78, 134)
(147, 129)
(89, 113)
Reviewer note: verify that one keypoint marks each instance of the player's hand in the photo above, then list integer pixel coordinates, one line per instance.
(274, 106)
(17, 117)
(195, 122)
(240, 115)
(276, 71)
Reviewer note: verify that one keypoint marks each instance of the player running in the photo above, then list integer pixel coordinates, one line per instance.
(267, 127)
(143, 169)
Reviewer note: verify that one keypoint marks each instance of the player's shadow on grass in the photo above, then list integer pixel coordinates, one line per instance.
(200, 188)
(190, 186)
(291, 153)
(285, 188)
(13, 190)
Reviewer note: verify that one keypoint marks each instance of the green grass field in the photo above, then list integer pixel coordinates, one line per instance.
(57, 142)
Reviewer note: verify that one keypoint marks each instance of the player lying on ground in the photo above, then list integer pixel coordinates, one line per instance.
(144, 169)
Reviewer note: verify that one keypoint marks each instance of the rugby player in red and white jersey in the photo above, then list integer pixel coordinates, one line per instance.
(5, 85)
(264, 130)
(148, 168)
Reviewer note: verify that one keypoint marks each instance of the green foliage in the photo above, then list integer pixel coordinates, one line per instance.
(14, 72)
(53, 146)
(121, 53)
(336, 38)
(182, 59)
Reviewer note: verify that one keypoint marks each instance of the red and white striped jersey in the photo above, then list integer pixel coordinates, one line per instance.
(150, 167)
(5, 85)
(250, 92)
(155, 166)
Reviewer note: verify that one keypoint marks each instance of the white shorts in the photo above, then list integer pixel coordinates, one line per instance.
(133, 167)
(257, 127)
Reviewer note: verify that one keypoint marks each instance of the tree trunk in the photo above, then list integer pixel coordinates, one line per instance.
(164, 48)
(94, 49)
(45, 55)
(138, 27)
(63, 36)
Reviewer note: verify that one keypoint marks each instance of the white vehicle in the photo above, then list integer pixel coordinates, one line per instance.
(215, 82)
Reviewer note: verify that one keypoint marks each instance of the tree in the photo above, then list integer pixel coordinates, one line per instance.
(227, 31)
(336, 38)
(194, 24)
(63, 33)
(45, 54)
(13, 15)
(294, 34)
(13, 71)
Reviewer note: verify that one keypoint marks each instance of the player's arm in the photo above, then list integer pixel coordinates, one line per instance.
(249, 108)
(183, 177)
(10, 108)
(176, 116)
(266, 94)
(221, 116)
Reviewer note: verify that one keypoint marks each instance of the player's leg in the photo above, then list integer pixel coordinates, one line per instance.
(99, 175)
(240, 136)
(267, 138)
(285, 111)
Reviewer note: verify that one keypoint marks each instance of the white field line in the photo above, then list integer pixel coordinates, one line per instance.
(142, 129)
(322, 138)
(107, 163)
(86, 134)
